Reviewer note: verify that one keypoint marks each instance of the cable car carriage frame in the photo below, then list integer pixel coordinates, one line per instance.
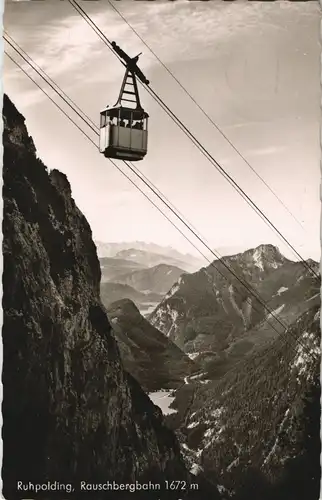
(124, 128)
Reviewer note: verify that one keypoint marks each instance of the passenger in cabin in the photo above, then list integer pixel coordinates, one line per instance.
(138, 125)
(122, 123)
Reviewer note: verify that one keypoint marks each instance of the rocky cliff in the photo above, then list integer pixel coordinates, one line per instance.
(71, 413)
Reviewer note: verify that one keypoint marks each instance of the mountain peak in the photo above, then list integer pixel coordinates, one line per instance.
(267, 252)
(267, 248)
(264, 256)
(124, 306)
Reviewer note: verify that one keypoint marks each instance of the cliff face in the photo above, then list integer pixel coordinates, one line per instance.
(154, 361)
(70, 412)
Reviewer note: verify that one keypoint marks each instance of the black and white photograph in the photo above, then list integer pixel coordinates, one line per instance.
(161, 250)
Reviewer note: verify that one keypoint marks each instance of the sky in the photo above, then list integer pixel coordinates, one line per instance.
(254, 67)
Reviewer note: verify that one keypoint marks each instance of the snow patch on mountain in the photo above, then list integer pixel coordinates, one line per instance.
(282, 290)
(196, 469)
(214, 427)
(172, 315)
(240, 312)
(258, 258)
(198, 376)
(234, 463)
(174, 289)
(307, 347)
(193, 425)
(221, 489)
(193, 355)
(281, 428)
(276, 311)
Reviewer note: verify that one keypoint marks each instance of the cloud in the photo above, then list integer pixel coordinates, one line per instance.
(270, 150)
(214, 36)
(73, 51)
(176, 24)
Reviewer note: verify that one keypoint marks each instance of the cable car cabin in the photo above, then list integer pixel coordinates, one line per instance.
(124, 133)
(124, 129)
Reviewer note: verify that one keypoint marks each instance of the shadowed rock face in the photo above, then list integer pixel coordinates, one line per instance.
(155, 361)
(71, 412)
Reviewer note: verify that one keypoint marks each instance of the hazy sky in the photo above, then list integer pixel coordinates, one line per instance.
(253, 66)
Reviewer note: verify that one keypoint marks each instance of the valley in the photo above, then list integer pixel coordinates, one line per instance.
(244, 405)
(144, 281)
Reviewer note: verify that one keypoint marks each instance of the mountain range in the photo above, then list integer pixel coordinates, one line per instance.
(158, 279)
(247, 415)
(145, 284)
(149, 254)
(113, 267)
(217, 320)
(112, 292)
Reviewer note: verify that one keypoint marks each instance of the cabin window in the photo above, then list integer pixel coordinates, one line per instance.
(103, 120)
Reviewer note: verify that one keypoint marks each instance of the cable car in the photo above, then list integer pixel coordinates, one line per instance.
(124, 127)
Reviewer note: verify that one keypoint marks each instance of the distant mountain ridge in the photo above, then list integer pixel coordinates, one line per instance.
(158, 278)
(159, 254)
(113, 292)
(145, 277)
(113, 267)
(151, 259)
(217, 318)
(125, 279)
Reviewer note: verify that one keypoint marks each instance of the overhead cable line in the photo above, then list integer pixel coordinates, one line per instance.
(50, 98)
(212, 263)
(40, 69)
(94, 143)
(272, 347)
(93, 127)
(243, 282)
(195, 141)
(174, 211)
(206, 115)
(154, 189)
